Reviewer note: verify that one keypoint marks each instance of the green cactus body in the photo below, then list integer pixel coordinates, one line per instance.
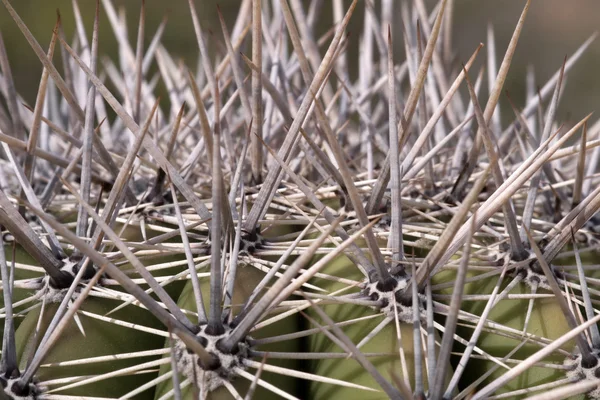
(386, 344)
(101, 339)
(18, 294)
(547, 321)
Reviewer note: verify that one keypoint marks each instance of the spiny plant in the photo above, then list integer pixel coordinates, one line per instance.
(302, 235)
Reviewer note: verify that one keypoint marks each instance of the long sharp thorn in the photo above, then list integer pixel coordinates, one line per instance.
(535, 181)
(395, 240)
(29, 240)
(348, 182)
(533, 105)
(234, 255)
(492, 71)
(252, 388)
(582, 344)
(88, 134)
(206, 62)
(578, 185)
(518, 251)
(432, 259)
(161, 174)
(29, 164)
(237, 177)
(355, 199)
(32, 197)
(451, 322)
(275, 175)
(64, 304)
(154, 44)
(208, 138)
(9, 348)
(589, 308)
(148, 143)
(226, 215)
(418, 353)
(216, 278)
(205, 128)
(139, 58)
(409, 110)
(572, 390)
(11, 93)
(190, 259)
(237, 71)
(423, 112)
(490, 107)
(116, 193)
(175, 377)
(213, 85)
(256, 150)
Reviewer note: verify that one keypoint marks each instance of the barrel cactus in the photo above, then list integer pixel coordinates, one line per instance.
(282, 221)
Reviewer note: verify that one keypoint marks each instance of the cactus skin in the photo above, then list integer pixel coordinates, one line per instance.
(101, 339)
(22, 257)
(546, 321)
(385, 342)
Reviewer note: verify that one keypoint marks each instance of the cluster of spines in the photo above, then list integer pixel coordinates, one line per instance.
(215, 244)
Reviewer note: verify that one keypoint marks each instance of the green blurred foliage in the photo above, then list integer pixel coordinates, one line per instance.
(40, 17)
(551, 32)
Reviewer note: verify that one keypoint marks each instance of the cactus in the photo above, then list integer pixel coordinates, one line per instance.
(302, 235)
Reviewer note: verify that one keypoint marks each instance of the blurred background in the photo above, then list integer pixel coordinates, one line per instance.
(553, 29)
